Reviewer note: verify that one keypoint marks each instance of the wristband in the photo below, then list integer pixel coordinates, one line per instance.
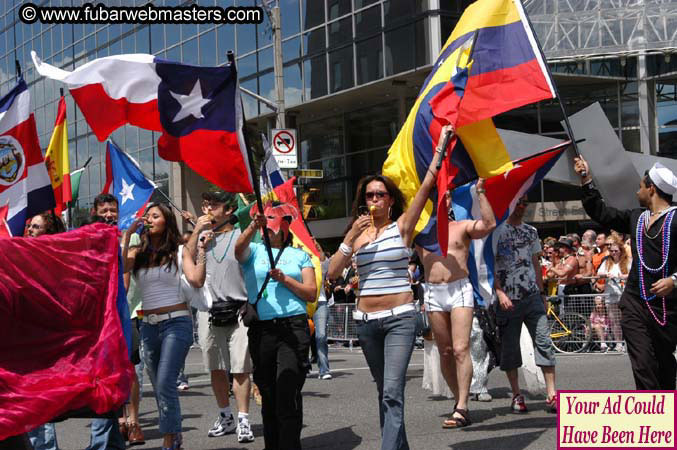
(345, 249)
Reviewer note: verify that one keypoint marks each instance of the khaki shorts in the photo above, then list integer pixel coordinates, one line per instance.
(223, 348)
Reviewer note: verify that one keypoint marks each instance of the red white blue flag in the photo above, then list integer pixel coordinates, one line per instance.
(503, 192)
(197, 110)
(127, 183)
(24, 181)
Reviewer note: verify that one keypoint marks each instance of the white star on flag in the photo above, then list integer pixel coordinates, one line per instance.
(191, 104)
(516, 166)
(127, 191)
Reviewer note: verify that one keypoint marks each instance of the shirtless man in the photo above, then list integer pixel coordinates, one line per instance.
(449, 302)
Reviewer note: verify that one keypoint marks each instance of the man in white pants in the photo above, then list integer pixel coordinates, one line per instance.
(222, 336)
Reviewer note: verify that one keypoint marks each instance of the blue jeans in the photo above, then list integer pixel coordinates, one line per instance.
(43, 437)
(387, 345)
(165, 347)
(320, 319)
(106, 435)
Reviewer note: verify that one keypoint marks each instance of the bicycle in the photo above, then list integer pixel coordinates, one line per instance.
(570, 333)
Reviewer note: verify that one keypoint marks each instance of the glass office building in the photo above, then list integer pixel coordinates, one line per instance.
(352, 70)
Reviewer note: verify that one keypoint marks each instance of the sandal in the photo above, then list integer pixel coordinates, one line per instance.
(457, 422)
(551, 404)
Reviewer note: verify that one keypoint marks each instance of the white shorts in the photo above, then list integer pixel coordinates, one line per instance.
(223, 348)
(447, 296)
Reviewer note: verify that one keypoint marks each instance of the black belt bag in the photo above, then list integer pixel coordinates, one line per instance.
(223, 314)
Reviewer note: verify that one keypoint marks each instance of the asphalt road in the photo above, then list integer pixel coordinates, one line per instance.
(342, 413)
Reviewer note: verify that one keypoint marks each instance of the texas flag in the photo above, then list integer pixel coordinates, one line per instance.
(24, 182)
(126, 181)
(197, 110)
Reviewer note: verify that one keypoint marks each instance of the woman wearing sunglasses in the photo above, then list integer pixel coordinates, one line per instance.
(385, 314)
(167, 327)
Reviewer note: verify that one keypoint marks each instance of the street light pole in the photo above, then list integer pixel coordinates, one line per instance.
(279, 73)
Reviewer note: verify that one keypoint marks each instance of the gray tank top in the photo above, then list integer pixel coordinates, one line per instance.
(224, 275)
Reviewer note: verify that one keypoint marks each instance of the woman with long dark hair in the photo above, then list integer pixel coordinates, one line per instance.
(380, 237)
(166, 330)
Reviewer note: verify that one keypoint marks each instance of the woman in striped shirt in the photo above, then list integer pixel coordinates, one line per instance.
(380, 237)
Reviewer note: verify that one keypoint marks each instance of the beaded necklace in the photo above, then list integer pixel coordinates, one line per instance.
(641, 265)
(232, 233)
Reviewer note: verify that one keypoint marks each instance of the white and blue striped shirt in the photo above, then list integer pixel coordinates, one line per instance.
(382, 264)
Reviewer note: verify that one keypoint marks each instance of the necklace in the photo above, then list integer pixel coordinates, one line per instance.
(641, 265)
(219, 260)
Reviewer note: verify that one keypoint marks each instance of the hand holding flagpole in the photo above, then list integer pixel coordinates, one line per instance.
(445, 143)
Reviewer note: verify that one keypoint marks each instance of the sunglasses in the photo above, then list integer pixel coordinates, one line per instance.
(375, 194)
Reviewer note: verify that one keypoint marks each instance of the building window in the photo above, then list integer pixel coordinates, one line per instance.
(340, 32)
(369, 60)
(315, 77)
(341, 69)
(337, 8)
(289, 16)
(312, 13)
(666, 113)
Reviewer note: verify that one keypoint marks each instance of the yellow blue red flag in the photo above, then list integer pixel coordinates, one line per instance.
(490, 64)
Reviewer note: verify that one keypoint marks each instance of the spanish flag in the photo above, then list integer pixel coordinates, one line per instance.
(490, 64)
(56, 159)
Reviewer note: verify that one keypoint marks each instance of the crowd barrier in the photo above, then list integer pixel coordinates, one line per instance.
(574, 311)
(340, 325)
(572, 333)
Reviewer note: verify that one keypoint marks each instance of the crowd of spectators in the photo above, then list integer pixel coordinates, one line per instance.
(596, 264)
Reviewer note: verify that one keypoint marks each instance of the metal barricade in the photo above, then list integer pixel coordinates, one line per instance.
(574, 311)
(340, 324)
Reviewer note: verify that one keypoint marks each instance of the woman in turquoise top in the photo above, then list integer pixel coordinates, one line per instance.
(279, 340)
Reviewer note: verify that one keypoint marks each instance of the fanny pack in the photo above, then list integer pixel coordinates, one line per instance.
(223, 314)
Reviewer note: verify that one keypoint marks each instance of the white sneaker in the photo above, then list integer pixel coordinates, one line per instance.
(484, 397)
(603, 347)
(222, 426)
(244, 432)
(620, 347)
(325, 376)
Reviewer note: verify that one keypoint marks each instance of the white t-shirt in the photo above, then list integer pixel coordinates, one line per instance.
(613, 286)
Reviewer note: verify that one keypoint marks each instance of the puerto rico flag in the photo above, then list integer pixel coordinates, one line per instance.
(503, 192)
(24, 182)
(197, 110)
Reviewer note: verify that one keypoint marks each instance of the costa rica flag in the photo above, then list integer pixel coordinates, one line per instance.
(24, 183)
(197, 110)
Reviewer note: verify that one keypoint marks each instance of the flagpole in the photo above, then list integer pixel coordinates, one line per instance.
(257, 190)
(569, 130)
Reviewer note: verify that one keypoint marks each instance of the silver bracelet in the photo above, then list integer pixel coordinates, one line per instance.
(347, 251)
